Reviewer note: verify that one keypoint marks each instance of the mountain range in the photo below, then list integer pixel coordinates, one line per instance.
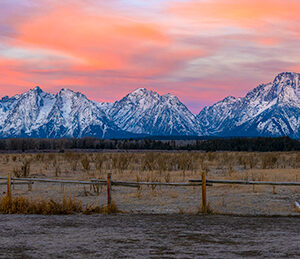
(271, 109)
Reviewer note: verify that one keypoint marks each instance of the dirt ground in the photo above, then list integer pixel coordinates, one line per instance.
(148, 236)
(163, 167)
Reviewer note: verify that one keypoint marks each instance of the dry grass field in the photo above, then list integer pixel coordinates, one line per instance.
(163, 167)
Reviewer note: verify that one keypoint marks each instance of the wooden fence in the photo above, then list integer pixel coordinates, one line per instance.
(203, 182)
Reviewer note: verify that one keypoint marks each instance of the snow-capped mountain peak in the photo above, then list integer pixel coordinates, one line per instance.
(142, 95)
(288, 87)
(36, 113)
(139, 91)
(36, 89)
(286, 79)
(271, 109)
(146, 112)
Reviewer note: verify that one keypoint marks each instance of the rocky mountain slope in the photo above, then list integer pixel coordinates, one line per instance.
(146, 112)
(271, 109)
(66, 114)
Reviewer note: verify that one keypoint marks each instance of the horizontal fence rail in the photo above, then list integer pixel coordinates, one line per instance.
(108, 182)
(99, 182)
(56, 181)
(192, 182)
(211, 181)
(138, 184)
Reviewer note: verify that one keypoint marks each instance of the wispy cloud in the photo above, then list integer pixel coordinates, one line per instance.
(201, 50)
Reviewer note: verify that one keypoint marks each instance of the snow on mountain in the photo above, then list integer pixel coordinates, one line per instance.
(147, 112)
(271, 109)
(74, 115)
(25, 112)
(66, 114)
(6, 104)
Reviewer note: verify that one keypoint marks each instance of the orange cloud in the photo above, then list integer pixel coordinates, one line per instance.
(95, 41)
(259, 39)
(101, 42)
(13, 79)
(105, 49)
(295, 68)
(244, 13)
(268, 41)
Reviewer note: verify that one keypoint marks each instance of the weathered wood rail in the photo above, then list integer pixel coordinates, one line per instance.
(205, 182)
(211, 181)
(55, 181)
(101, 182)
(109, 182)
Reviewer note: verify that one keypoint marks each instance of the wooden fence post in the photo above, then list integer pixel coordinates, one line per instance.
(109, 190)
(204, 208)
(9, 187)
(30, 187)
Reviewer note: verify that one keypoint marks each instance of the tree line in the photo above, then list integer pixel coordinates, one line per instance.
(218, 144)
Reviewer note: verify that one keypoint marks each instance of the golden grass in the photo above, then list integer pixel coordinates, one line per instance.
(155, 166)
(160, 167)
(21, 205)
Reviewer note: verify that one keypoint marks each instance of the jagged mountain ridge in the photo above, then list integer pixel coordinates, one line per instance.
(147, 112)
(66, 114)
(271, 109)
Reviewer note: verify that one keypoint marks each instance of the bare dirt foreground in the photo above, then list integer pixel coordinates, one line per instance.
(148, 236)
(164, 167)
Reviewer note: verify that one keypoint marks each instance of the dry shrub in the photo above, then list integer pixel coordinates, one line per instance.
(72, 158)
(17, 172)
(51, 156)
(26, 168)
(24, 171)
(85, 162)
(209, 210)
(110, 209)
(167, 177)
(269, 161)
(57, 171)
(100, 159)
(39, 157)
(74, 165)
(7, 158)
(297, 160)
(54, 163)
(21, 205)
(69, 155)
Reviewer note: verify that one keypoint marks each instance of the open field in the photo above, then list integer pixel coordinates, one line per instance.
(164, 167)
(148, 236)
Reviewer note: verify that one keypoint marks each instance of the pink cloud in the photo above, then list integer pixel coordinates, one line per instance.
(242, 13)
(201, 51)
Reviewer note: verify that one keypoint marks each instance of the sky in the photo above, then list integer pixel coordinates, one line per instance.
(199, 50)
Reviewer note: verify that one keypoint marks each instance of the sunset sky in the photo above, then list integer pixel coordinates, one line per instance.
(199, 50)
